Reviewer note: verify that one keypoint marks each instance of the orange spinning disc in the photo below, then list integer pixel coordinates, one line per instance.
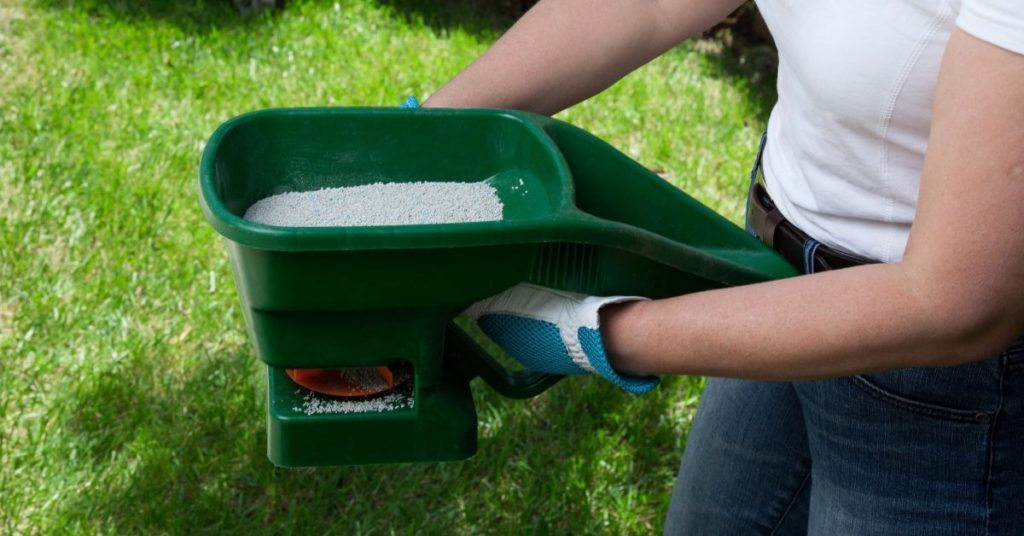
(347, 382)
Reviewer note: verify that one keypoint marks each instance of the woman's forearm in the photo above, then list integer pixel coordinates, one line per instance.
(851, 321)
(564, 51)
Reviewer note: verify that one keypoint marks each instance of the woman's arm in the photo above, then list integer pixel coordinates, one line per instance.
(957, 296)
(564, 51)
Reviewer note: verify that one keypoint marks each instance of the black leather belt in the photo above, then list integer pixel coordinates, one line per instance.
(770, 227)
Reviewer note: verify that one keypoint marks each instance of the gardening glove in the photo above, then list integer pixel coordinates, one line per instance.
(552, 331)
(410, 102)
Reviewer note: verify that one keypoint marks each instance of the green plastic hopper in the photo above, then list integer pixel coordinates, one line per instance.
(578, 215)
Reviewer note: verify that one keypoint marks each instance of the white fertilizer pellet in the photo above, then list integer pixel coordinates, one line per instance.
(314, 404)
(393, 203)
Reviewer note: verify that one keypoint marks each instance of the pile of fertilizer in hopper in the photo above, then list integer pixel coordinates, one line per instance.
(394, 203)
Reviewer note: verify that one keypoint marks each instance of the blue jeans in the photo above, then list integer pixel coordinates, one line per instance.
(929, 451)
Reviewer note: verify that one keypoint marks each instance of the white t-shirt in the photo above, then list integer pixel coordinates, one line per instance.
(847, 138)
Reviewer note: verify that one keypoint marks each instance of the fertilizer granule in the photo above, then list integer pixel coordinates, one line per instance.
(315, 404)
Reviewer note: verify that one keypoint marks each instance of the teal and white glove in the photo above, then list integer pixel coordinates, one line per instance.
(552, 331)
(411, 102)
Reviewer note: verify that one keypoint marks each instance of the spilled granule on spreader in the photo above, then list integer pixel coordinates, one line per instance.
(315, 404)
(393, 203)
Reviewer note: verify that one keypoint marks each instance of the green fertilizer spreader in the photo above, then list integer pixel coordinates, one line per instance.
(578, 215)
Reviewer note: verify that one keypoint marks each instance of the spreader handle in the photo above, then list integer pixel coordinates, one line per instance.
(472, 360)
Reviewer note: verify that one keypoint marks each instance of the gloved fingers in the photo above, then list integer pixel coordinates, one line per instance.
(530, 301)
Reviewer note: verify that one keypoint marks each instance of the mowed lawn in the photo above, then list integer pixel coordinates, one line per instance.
(130, 398)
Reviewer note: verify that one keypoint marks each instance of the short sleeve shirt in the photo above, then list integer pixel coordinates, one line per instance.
(847, 138)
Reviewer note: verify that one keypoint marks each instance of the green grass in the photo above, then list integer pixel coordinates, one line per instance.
(130, 398)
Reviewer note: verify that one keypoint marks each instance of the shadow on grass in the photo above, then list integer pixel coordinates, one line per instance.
(193, 15)
(178, 451)
(489, 17)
